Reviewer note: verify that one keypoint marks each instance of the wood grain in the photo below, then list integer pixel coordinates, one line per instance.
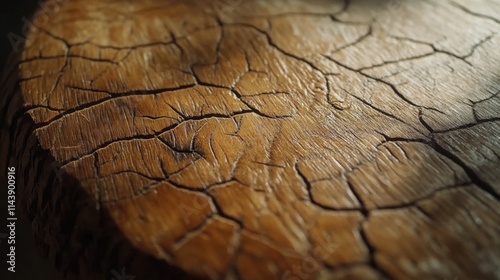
(260, 140)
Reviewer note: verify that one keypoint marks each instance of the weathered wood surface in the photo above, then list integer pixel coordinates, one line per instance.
(260, 139)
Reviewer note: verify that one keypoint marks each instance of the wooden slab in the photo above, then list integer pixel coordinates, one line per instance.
(259, 139)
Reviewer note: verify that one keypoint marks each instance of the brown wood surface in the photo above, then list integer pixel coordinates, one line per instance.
(260, 139)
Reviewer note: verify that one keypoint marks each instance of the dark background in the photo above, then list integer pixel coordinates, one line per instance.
(11, 14)
(30, 263)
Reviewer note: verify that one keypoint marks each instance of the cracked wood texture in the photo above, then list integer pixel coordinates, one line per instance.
(260, 139)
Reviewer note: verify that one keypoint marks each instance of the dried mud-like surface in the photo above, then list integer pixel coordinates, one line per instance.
(280, 140)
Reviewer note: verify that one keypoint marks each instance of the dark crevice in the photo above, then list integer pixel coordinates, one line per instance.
(396, 61)
(274, 45)
(354, 191)
(68, 56)
(423, 122)
(189, 233)
(466, 10)
(371, 249)
(306, 183)
(357, 41)
(155, 135)
(221, 212)
(415, 202)
(463, 58)
(389, 139)
(88, 105)
(469, 125)
(468, 170)
(382, 111)
(269, 164)
(179, 150)
(394, 89)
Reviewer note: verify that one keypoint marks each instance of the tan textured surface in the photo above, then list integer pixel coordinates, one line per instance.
(262, 140)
